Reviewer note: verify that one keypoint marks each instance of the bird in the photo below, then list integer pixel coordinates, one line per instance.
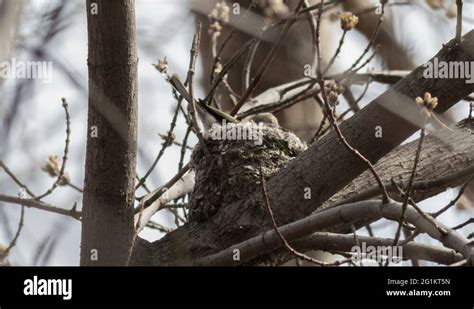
(209, 115)
(264, 118)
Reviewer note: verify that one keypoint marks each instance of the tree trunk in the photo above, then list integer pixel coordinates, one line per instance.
(107, 223)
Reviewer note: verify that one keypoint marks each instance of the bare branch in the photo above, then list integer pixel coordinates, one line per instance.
(60, 178)
(411, 250)
(392, 210)
(16, 179)
(12, 244)
(41, 205)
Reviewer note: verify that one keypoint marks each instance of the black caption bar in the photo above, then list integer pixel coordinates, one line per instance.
(297, 285)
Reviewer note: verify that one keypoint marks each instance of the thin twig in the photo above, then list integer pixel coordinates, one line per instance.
(41, 205)
(351, 100)
(338, 50)
(319, 72)
(144, 185)
(372, 39)
(368, 60)
(228, 38)
(418, 209)
(183, 148)
(173, 142)
(282, 238)
(12, 244)
(16, 179)
(409, 189)
(279, 105)
(301, 15)
(455, 200)
(460, 226)
(248, 66)
(356, 239)
(459, 20)
(319, 132)
(77, 188)
(167, 142)
(364, 92)
(266, 63)
(226, 67)
(59, 179)
(190, 76)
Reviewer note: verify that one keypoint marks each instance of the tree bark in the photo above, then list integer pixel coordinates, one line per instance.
(443, 153)
(107, 223)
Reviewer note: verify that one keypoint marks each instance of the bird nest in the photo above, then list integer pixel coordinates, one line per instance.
(227, 167)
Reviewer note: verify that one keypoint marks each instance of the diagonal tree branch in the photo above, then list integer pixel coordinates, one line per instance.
(447, 156)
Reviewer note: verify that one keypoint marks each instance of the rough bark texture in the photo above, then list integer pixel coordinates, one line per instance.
(107, 223)
(326, 167)
(443, 153)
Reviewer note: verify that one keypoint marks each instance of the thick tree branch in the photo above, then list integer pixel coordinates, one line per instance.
(411, 250)
(447, 156)
(374, 209)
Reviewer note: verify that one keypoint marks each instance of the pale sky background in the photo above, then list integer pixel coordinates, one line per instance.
(165, 28)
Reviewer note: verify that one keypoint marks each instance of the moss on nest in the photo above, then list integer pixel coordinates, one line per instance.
(229, 169)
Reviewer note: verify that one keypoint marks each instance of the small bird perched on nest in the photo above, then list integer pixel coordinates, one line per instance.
(227, 167)
(210, 115)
